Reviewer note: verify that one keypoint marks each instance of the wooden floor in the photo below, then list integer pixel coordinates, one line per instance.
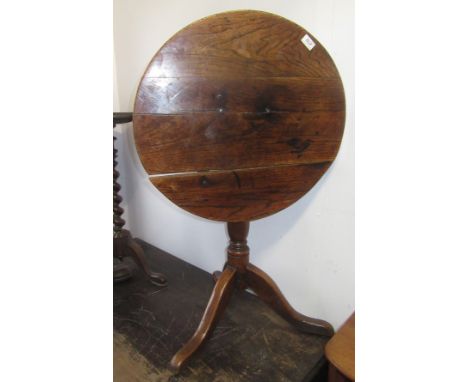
(250, 343)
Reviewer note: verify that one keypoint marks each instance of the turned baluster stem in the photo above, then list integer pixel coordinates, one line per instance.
(238, 251)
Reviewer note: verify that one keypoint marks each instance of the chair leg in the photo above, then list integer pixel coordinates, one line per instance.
(218, 300)
(156, 278)
(268, 291)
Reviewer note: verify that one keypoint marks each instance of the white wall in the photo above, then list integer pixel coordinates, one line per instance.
(308, 249)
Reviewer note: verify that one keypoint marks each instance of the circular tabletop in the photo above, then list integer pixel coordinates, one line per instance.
(238, 115)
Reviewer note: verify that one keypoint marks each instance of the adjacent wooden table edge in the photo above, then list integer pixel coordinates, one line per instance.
(340, 349)
(122, 117)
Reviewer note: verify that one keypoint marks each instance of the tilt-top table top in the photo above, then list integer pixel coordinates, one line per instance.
(238, 115)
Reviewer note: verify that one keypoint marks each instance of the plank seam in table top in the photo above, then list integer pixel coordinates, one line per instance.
(220, 171)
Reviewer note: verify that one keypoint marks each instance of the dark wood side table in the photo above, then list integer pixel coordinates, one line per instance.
(340, 353)
(151, 323)
(124, 244)
(237, 117)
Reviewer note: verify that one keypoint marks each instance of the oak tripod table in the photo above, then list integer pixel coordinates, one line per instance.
(237, 116)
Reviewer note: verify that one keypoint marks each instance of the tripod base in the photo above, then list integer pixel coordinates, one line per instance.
(239, 273)
(123, 269)
(124, 246)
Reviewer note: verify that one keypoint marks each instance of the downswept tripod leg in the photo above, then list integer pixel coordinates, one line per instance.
(268, 291)
(126, 247)
(156, 278)
(218, 301)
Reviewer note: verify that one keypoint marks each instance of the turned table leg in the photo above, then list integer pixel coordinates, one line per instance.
(124, 244)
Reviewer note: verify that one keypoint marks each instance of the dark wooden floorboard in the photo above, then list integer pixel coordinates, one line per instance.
(250, 343)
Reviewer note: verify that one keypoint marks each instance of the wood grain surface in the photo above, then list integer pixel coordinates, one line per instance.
(235, 119)
(236, 194)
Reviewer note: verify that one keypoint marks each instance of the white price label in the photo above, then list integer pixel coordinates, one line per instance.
(308, 42)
